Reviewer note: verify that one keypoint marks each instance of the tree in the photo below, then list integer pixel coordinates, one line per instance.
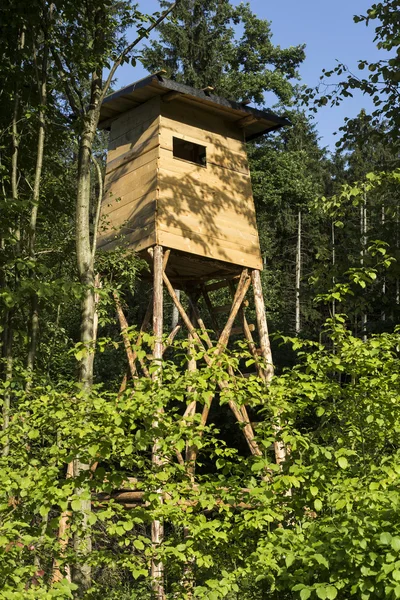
(200, 48)
(288, 171)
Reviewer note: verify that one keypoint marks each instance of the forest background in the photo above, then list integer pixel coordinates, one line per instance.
(325, 523)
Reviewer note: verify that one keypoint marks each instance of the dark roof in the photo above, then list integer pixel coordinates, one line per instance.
(157, 85)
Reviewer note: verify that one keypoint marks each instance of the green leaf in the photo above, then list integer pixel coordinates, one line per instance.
(138, 544)
(343, 462)
(76, 505)
(331, 592)
(385, 538)
(321, 593)
(395, 543)
(317, 504)
(305, 594)
(314, 490)
(290, 558)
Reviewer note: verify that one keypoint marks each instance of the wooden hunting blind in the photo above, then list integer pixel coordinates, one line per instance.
(178, 191)
(177, 176)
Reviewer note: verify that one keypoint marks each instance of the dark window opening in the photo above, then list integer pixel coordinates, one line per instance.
(189, 151)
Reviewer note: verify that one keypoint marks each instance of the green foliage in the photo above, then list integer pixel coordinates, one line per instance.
(200, 48)
(325, 526)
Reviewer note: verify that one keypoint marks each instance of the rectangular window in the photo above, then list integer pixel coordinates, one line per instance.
(185, 150)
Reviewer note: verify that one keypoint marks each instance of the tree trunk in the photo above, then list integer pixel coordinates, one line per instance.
(8, 320)
(85, 260)
(363, 228)
(298, 275)
(383, 219)
(8, 355)
(333, 266)
(157, 526)
(34, 320)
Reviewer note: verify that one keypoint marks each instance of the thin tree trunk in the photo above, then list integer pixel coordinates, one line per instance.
(9, 331)
(157, 527)
(383, 219)
(298, 275)
(333, 266)
(363, 228)
(85, 256)
(397, 248)
(34, 320)
(8, 355)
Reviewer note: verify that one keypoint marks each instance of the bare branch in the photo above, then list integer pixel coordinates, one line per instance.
(130, 47)
(98, 207)
(69, 88)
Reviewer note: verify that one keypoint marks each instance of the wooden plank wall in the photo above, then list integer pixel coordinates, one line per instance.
(130, 188)
(208, 211)
(152, 197)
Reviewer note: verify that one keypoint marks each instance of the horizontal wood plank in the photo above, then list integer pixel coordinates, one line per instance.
(140, 211)
(138, 156)
(148, 239)
(216, 225)
(144, 176)
(132, 118)
(141, 140)
(200, 119)
(189, 241)
(219, 150)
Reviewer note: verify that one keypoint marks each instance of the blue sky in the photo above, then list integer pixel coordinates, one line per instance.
(327, 29)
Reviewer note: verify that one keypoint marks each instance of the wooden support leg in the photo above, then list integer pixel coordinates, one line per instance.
(131, 355)
(63, 528)
(157, 527)
(262, 325)
(280, 450)
(240, 413)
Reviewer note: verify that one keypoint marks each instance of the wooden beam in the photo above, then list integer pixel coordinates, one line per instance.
(124, 332)
(217, 285)
(171, 96)
(262, 325)
(240, 329)
(243, 286)
(279, 446)
(246, 121)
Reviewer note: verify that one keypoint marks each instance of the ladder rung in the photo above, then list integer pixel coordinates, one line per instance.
(217, 286)
(221, 284)
(225, 308)
(236, 330)
(222, 309)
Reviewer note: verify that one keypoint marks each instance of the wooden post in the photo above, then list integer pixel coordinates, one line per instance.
(262, 324)
(280, 450)
(157, 527)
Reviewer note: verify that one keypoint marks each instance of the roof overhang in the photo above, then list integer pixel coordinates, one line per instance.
(254, 122)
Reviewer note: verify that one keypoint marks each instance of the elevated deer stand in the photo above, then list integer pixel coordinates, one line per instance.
(178, 192)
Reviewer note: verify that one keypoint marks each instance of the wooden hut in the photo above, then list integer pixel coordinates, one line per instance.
(177, 176)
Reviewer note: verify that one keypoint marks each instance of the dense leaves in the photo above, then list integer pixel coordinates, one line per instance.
(76, 462)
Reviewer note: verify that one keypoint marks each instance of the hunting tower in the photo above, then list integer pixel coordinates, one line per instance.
(178, 192)
(177, 176)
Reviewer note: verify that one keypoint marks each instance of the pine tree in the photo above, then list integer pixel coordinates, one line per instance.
(200, 48)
